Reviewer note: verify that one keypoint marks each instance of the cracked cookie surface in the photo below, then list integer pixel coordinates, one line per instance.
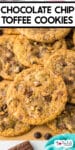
(46, 35)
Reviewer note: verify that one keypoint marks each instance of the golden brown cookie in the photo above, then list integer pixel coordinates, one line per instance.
(38, 93)
(9, 65)
(3, 91)
(74, 37)
(65, 122)
(69, 40)
(8, 125)
(11, 127)
(63, 63)
(7, 41)
(30, 52)
(12, 31)
(46, 35)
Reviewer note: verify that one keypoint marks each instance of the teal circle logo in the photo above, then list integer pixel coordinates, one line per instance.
(61, 142)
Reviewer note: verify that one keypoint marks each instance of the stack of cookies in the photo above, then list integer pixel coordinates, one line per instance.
(37, 80)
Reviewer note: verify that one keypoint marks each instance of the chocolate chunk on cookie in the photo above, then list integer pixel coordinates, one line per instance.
(22, 146)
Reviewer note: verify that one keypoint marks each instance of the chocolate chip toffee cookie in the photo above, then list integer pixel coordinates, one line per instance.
(38, 93)
(9, 65)
(8, 125)
(63, 63)
(46, 35)
(69, 40)
(65, 122)
(12, 31)
(30, 52)
(7, 41)
(74, 38)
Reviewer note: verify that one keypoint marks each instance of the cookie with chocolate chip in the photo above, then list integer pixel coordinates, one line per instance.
(38, 93)
(8, 125)
(7, 41)
(30, 52)
(63, 63)
(45, 35)
(65, 122)
(69, 40)
(3, 91)
(9, 65)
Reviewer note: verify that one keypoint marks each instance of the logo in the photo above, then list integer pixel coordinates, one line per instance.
(63, 143)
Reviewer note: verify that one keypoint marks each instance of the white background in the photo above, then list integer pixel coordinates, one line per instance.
(4, 145)
(34, 15)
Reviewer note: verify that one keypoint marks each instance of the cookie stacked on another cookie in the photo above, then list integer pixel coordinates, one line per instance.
(9, 126)
(36, 76)
(9, 68)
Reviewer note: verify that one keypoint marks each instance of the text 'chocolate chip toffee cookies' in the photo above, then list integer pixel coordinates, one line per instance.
(37, 81)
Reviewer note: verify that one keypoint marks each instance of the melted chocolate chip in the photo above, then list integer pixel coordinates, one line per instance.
(37, 135)
(47, 136)
(64, 64)
(1, 32)
(48, 98)
(67, 81)
(29, 93)
(1, 78)
(21, 68)
(39, 109)
(4, 107)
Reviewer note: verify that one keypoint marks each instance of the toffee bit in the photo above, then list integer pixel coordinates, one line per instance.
(48, 98)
